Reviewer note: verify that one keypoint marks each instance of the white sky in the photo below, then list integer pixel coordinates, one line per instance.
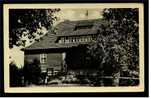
(78, 14)
(65, 14)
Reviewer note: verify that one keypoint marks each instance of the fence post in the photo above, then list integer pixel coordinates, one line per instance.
(116, 79)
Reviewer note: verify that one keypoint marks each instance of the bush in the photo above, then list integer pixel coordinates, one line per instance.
(32, 72)
(15, 75)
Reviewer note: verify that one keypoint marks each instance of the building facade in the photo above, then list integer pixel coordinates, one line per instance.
(65, 48)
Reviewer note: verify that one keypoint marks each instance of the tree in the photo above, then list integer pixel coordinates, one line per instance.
(117, 46)
(27, 23)
(15, 75)
(32, 72)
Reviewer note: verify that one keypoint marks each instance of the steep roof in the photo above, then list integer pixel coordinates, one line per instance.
(67, 28)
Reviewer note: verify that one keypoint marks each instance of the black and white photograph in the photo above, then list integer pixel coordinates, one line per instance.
(77, 46)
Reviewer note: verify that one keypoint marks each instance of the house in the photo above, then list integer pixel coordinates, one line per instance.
(65, 48)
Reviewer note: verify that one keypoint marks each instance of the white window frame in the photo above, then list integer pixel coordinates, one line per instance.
(43, 58)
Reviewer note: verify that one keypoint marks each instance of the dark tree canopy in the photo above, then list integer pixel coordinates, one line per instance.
(15, 75)
(117, 46)
(26, 22)
(120, 14)
(124, 27)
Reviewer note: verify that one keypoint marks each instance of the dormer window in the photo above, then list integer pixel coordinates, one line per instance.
(83, 27)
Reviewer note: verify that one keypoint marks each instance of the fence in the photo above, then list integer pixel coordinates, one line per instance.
(120, 81)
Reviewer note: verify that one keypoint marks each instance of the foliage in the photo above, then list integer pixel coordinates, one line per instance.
(32, 72)
(28, 22)
(15, 75)
(117, 46)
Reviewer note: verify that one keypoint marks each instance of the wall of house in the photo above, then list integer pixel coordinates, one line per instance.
(54, 60)
(30, 57)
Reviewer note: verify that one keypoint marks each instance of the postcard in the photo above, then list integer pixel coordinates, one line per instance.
(70, 48)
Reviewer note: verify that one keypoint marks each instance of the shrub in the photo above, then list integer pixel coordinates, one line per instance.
(32, 72)
(15, 75)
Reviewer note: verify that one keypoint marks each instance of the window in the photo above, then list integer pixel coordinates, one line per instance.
(43, 58)
(63, 39)
(75, 39)
(66, 40)
(86, 39)
(83, 27)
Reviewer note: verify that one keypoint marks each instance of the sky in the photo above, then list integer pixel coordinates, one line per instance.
(17, 56)
(78, 14)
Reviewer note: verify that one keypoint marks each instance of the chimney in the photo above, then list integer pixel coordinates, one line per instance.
(86, 14)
